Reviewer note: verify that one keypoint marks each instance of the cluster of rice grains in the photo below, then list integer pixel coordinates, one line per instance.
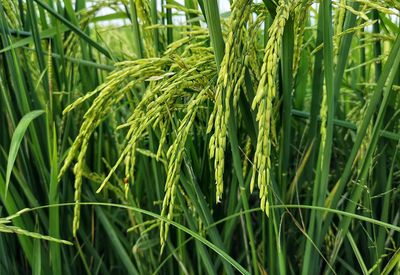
(11, 11)
(108, 95)
(230, 81)
(264, 99)
(183, 80)
(173, 83)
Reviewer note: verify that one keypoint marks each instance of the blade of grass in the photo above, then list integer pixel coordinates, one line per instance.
(395, 260)
(197, 197)
(73, 28)
(119, 249)
(325, 150)
(367, 160)
(54, 215)
(357, 254)
(287, 76)
(16, 142)
(37, 257)
(337, 191)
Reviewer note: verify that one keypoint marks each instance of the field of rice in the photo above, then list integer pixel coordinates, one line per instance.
(200, 137)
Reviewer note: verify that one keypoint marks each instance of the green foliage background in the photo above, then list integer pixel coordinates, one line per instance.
(170, 138)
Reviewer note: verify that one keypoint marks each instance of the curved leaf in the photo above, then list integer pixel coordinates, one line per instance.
(16, 142)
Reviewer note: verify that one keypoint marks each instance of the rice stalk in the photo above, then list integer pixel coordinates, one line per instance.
(264, 100)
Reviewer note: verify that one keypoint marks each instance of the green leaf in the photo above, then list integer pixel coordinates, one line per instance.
(16, 142)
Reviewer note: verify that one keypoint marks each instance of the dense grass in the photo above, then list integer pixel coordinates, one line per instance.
(170, 138)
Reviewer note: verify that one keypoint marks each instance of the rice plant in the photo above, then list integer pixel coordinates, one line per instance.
(164, 137)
